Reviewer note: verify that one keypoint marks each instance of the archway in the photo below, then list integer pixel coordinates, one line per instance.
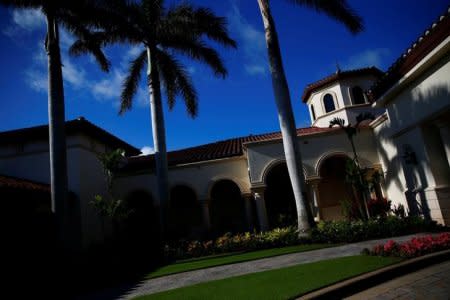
(279, 197)
(141, 227)
(333, 188)
(185, 214)
(227, 208)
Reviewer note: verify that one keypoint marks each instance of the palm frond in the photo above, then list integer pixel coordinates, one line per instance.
(337, 122)
(198, 51)
(22, 3)
(199, 22)
(176, 81)
(92, 47)
(336, 9)
(131, 82)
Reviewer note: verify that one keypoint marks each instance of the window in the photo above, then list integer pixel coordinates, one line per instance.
(328, 102)
(313, 112)
(358, 95)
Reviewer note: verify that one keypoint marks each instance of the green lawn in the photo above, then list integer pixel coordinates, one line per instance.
(286, 283)
(212, 261)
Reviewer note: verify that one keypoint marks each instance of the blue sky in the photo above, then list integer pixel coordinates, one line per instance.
(239, 105)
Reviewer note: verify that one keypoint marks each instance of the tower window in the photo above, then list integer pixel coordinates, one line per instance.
(358, 95)
(328, 103)
(313, 112)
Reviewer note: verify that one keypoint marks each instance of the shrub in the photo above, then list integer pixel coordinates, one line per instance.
(379, 207)
(353, 231)
(417, 246)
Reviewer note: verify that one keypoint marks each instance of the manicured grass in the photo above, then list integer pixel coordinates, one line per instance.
(212, 261)
(286, 283)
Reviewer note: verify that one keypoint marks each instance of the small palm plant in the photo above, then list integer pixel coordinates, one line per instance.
(355, 175)
(163, 33)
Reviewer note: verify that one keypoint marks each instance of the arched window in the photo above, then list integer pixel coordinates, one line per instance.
(328, 102)
(313, 112)
(358, 95)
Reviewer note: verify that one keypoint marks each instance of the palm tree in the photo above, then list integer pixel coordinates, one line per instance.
(162, 33)
(339, 10)
(66, 13)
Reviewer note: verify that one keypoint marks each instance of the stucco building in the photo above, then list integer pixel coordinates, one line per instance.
(242, 183)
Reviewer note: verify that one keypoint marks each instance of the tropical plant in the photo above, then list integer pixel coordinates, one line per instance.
(162, 33)
(355, 175)
(109, 206)
(69, 14)
(338, 10)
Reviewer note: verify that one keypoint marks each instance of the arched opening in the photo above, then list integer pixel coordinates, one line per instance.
(227, 208)
(184, 212)
(333, 189)
(279, 197)
(328, 103)
(358, 95)
(141, 227)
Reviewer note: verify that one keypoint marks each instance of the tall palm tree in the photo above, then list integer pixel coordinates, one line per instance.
(66, 13)
(340, 11)
(163, 33)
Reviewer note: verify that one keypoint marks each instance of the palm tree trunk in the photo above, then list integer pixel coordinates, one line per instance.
(57, 138)
(159, 138)
(286, 119)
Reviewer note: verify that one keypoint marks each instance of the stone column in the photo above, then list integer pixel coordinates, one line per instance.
(314, 184)
(258, 194)
(205, 213)
(444, 131)
(248, 210)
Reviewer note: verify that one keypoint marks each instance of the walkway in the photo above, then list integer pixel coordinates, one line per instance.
(429, 283)
(193, 277)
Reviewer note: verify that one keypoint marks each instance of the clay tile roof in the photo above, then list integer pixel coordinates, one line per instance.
(23, 184)
(80, 125)
(221, 149)
(339, 75)
(426, 42)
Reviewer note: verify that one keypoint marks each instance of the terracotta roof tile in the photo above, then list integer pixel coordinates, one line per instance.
(425, 43)
(310, 88)
(221, 149)
(23, 184)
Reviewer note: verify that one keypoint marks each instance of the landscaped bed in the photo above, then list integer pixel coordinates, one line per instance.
(231, 258)
(285, 283)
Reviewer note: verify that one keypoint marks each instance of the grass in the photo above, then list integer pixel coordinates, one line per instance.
(225, 259)
(285, 283)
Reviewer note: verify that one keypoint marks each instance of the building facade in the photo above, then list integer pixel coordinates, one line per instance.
(242, 183)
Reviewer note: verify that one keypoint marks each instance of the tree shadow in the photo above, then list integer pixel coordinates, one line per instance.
(435, 101)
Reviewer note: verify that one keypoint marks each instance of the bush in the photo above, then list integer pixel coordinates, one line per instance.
(379, 207)
(417, 246)
(353, 231)
(226, 243)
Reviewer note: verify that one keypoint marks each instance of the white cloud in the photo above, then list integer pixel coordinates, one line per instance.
(36, 80)
(28, 19)
(73, 75)
(146, 150)
(251, 41)
(109, 88)
(371, 57)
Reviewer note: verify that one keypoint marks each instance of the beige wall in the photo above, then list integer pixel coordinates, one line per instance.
(85, 176)
(314, 149)
(199, 176)
(419, 101)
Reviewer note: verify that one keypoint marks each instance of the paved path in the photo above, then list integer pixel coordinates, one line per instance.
(431, 283)
(193, 277)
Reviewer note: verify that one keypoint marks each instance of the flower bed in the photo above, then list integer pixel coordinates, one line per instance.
(417, 246)
(278, 237)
